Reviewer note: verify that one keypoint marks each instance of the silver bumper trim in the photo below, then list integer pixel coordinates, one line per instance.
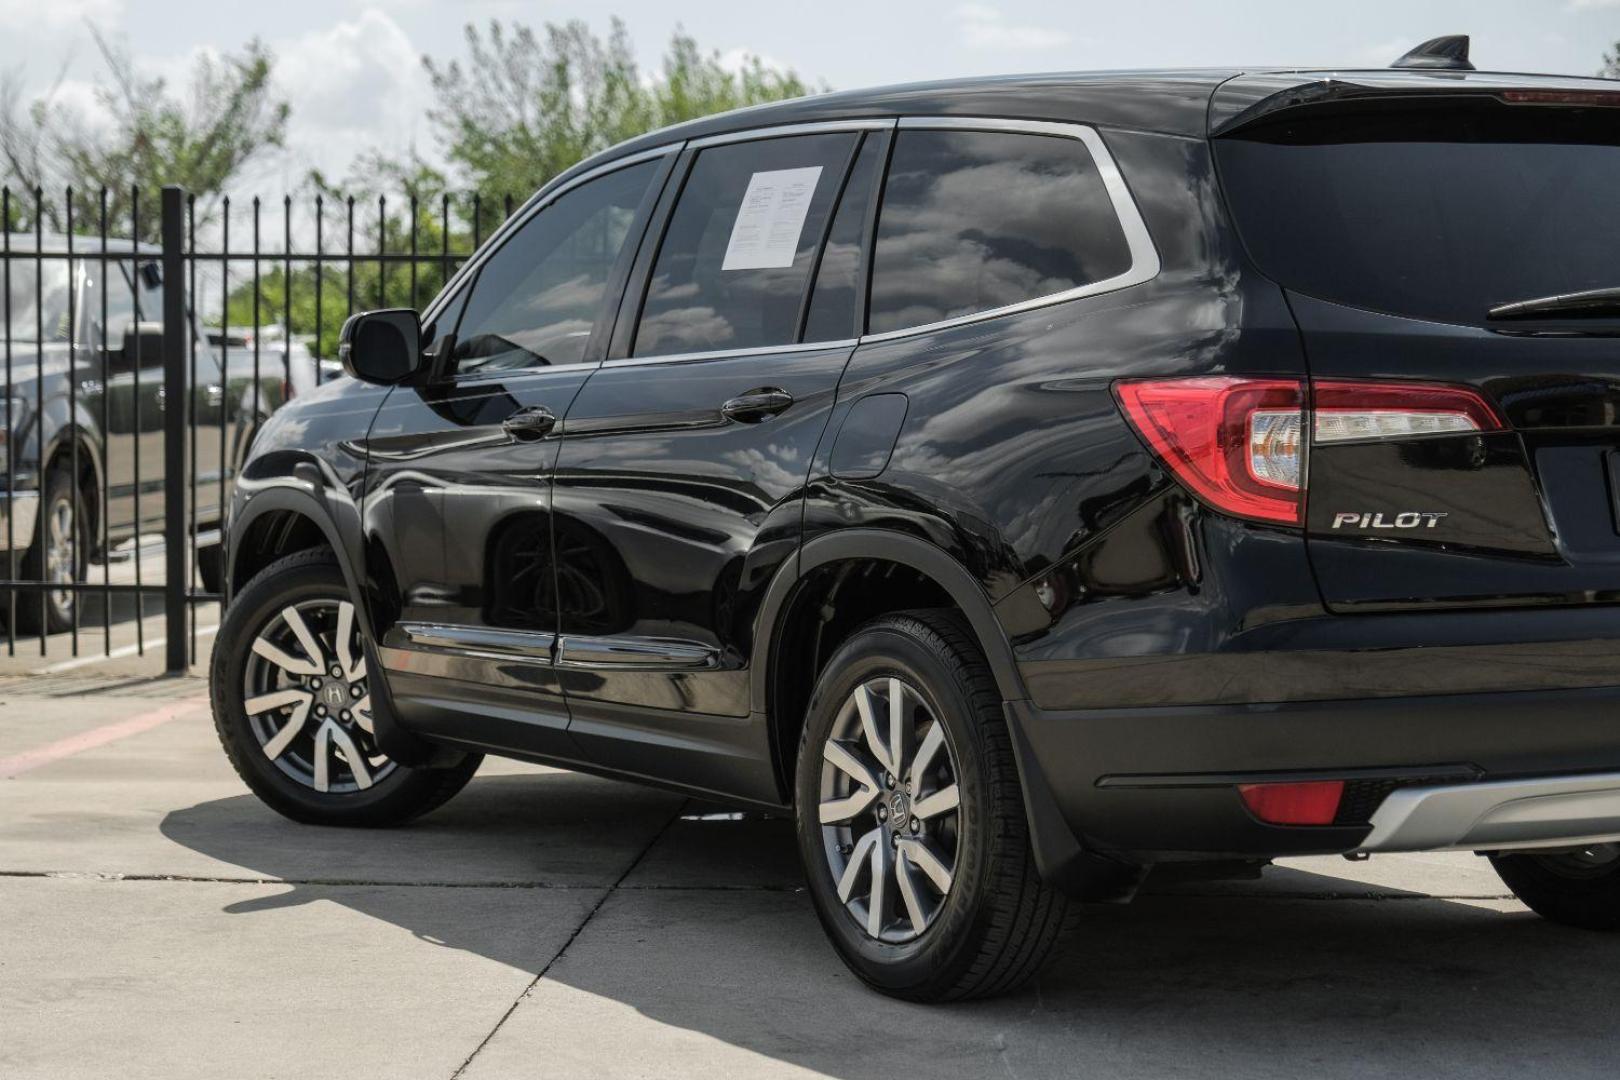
(1554, 811)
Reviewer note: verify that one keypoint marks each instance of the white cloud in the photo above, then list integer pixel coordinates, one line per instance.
(31, 16)
(353, 86)
(981, 26)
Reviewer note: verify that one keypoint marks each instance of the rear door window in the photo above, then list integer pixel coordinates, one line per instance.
(834, 304)
(977, 220)
(735, 261)
(1432, 213)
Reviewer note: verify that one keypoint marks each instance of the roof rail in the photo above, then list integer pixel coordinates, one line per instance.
(1449, 52)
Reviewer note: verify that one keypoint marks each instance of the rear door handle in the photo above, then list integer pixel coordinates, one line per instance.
(757, 405)
(534, 422)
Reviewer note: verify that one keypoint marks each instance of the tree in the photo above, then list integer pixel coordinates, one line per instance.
(523, 106)
(148, 137)
(1611, 63)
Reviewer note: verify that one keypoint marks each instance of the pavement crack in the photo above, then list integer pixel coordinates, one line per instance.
(586, 921)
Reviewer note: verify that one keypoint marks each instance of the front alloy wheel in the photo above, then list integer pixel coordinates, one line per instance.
(294, 708)
(305, 696)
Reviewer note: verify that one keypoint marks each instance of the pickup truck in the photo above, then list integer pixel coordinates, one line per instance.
(83, 411)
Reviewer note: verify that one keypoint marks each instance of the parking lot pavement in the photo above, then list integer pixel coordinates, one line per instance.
(156, 921)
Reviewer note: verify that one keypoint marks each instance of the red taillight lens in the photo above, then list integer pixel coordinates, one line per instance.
(1235, 442)
(1312, 802)
(1238, 443)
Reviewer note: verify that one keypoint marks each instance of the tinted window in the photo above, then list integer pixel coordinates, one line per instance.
(1433, 215)
(119, 301)
(732, 270)
(838, 281)
(536, 299)
(979, 220)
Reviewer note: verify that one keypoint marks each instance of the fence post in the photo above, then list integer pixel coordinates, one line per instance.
(177, 402)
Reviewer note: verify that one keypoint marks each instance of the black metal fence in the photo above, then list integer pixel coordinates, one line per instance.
(116, 306)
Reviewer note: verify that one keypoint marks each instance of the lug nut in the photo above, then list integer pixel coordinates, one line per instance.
(357, 690)
(320, 710)
(888, 778)
(883, 813)
(894, 839)
(344, 716)
(916, 826)
(337, 672)
(314, 683)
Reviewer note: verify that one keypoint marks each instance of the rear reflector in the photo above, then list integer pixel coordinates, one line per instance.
(1313, 802)
(1237, 443)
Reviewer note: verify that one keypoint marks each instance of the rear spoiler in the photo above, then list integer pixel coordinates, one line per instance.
(1252, 99)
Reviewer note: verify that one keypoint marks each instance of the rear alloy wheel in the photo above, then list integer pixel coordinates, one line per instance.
(1579, 887)
(911, 818)
(293, 704)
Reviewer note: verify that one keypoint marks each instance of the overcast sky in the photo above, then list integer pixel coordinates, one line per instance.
(352, 71)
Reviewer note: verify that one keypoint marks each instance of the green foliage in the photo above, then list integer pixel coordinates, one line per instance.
(523, 106)
(151, 137)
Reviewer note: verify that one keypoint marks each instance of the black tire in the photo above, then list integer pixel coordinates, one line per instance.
(999, 923)
(60, 493)
(402, 793)
(210, 569)
(1575, 889)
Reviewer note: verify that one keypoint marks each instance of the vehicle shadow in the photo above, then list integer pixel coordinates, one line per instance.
(710, 932)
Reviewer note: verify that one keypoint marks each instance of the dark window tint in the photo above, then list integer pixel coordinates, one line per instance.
(978, 220)
(838, 281)
(1434, 215)
(733, 267)
(536, 299)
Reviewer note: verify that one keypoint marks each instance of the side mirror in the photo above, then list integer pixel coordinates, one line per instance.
(383, 347)
(143, 346)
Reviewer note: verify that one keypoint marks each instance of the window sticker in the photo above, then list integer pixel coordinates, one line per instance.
(770, 219)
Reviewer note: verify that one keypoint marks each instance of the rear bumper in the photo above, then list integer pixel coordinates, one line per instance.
(19, 513)
(1456, 771)
(1554, 811)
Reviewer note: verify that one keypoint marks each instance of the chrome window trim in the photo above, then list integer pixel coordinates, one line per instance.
(523, 214)
(634, 654)
(1145, 263)
(725, 354)
(819, 127)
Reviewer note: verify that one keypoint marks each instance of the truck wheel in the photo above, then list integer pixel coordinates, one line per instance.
(911, 818)
(292, 704)
(1576, 888)
(59, 556)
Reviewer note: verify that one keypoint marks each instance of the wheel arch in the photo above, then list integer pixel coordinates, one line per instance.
(277, 521)
(794, 609)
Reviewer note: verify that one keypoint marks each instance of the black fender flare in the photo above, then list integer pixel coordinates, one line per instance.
(891, 546)
(293, 495)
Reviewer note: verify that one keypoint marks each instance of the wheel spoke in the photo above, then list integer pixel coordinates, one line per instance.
(312, 647)
(836, 810)
(277, 699)
(924, 859)
(877, 903)
(932, 742)
(287, 662)
(900, 728)
(353, 666)
(352, 755)
(362, 715)
(289, 731)
(857, 859)
(908, 893)
(323, 753)
(869, 725)
(940, 801)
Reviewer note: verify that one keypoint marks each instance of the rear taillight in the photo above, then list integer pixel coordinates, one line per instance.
(1238, 443)
(1235, 442)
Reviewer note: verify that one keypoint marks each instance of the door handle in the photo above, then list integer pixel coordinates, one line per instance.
(757, 405)
(534, 422)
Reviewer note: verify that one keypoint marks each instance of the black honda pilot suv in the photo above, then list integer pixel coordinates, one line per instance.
(1023, 482)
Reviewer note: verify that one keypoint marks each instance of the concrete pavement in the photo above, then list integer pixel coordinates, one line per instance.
(155, 920)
